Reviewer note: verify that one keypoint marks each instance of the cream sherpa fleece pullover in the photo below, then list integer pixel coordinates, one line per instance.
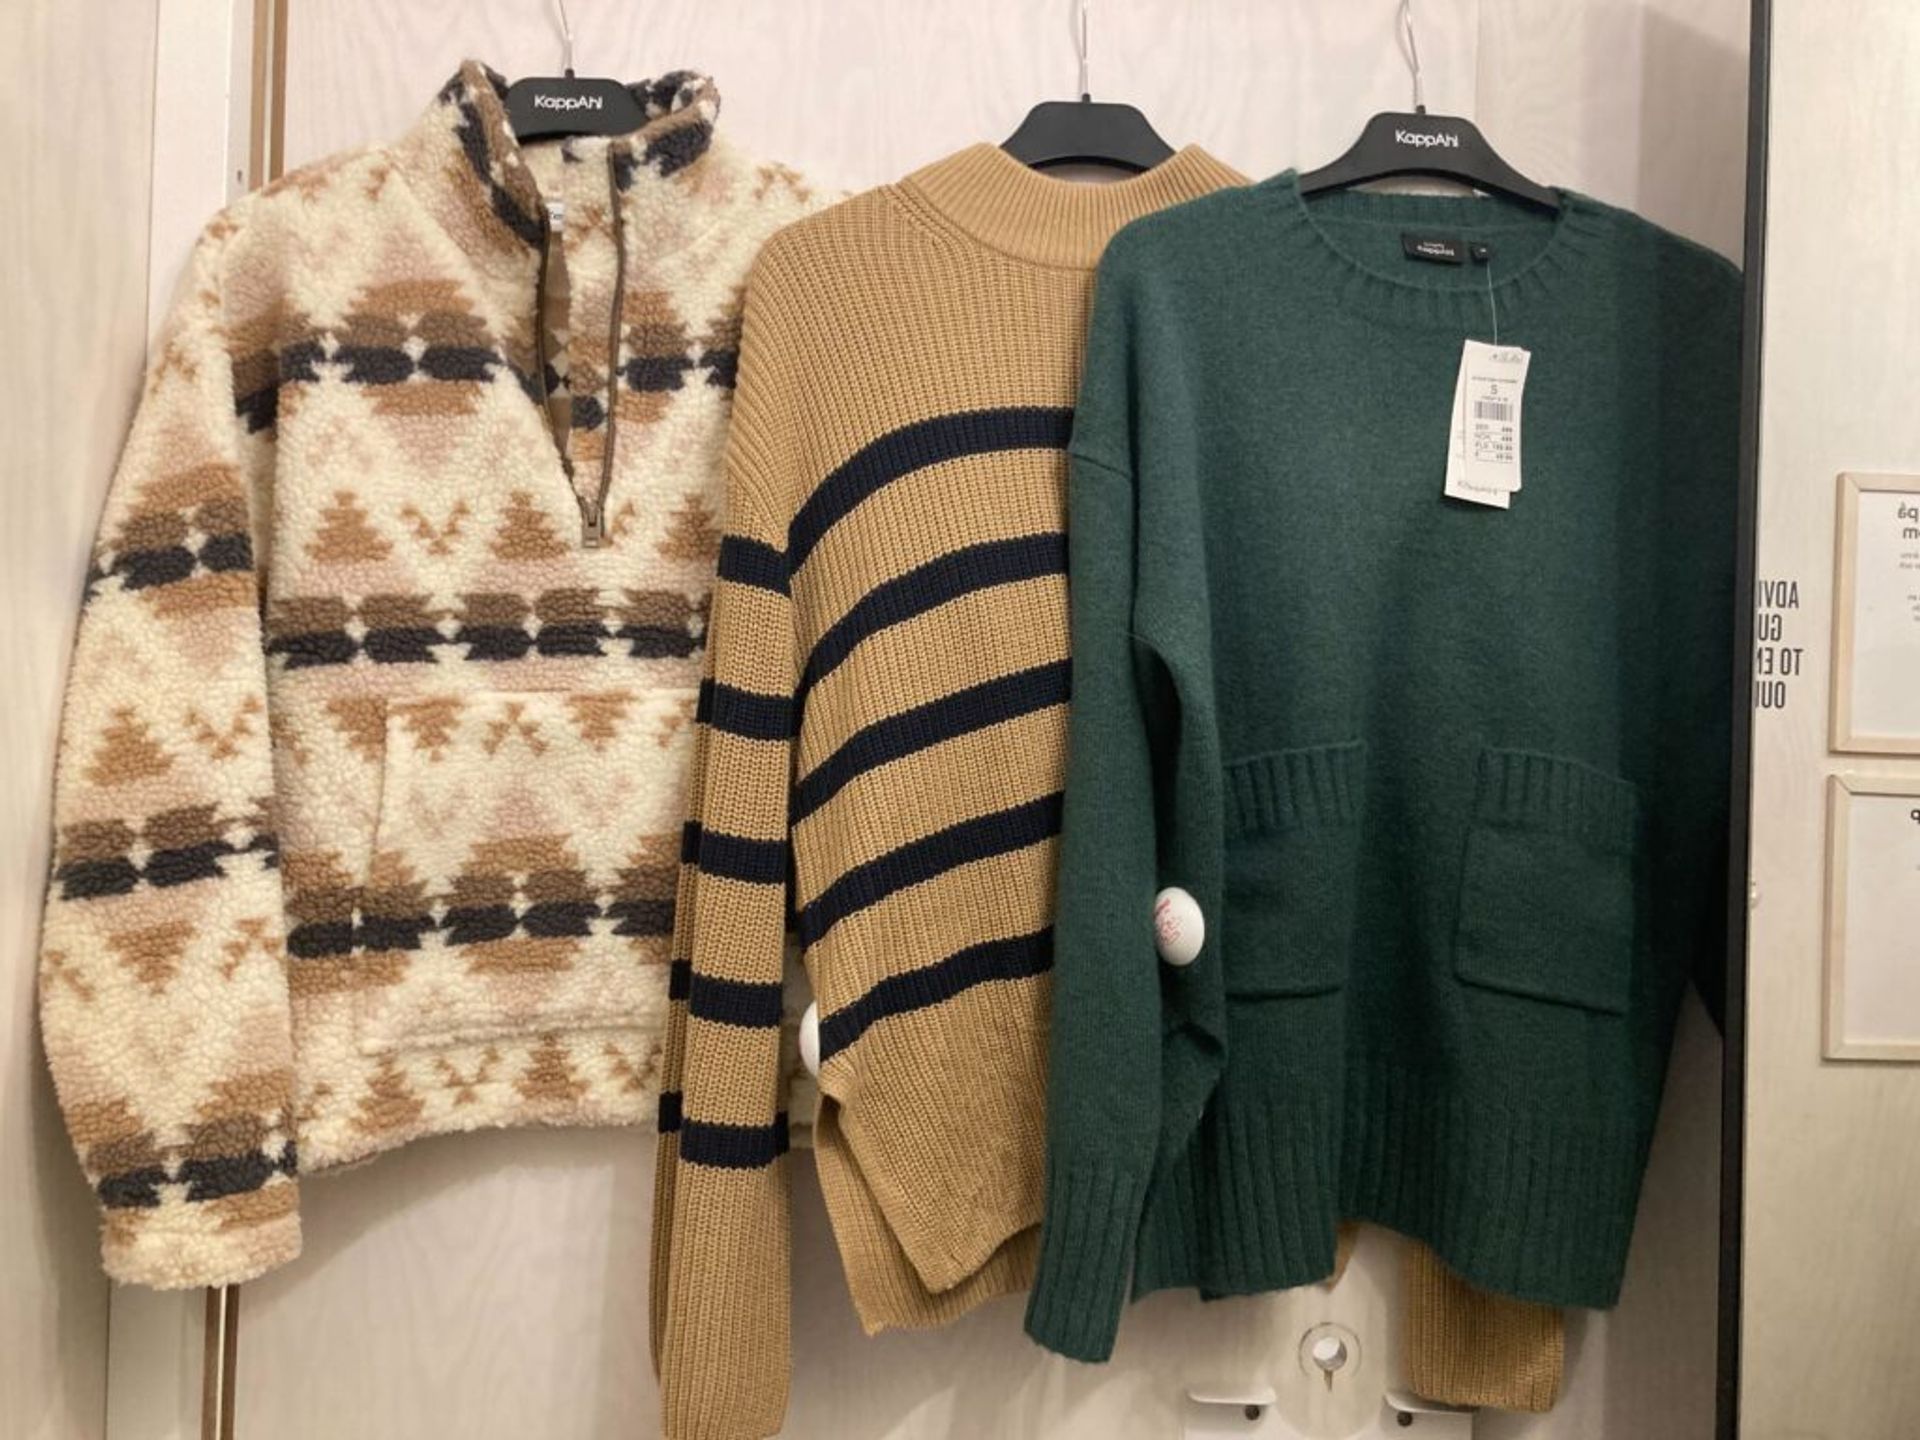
(370, 782)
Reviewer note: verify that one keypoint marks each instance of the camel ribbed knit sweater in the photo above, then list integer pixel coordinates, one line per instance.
(882, 749)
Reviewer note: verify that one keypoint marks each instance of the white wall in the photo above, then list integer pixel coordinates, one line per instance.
(73, 256)
(1832, 1265)
(494, 1285)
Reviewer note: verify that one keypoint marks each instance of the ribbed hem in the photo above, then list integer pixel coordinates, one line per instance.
(1535, 1203)
(988, 195)
(1086, 1247)
(1249, 1205)
(1432, 295)
(948, 1183)
(1466, 1347)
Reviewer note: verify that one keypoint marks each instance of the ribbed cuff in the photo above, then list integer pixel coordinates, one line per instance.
(1086, 1254)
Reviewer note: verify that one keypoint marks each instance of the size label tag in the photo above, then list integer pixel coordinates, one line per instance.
(1483, 451)
(556, 215)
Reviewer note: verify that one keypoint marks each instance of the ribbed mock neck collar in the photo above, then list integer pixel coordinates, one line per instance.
(988, 195)
(1429, 294)
(466, 164)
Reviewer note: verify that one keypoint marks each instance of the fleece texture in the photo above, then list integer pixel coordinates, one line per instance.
(1449, 783)
(887, 725)
(371, 769)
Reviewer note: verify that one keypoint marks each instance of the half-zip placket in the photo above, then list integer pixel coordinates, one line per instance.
(593, 510)
(593, 515)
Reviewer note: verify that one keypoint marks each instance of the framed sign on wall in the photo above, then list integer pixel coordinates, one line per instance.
(1876, 616)
(1873, 918)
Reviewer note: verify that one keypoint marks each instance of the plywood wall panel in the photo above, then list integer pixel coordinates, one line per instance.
(857, 92)
(1832, 1264)
(73, 255)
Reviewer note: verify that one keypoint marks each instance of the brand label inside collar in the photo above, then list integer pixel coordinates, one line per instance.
(1438, 249)
(1427, 139)
(568, 102)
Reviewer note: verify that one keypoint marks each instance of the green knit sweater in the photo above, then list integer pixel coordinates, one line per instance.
(1449, 782)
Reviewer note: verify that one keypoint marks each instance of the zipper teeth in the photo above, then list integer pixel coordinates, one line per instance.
(540, 342)
(614, 328)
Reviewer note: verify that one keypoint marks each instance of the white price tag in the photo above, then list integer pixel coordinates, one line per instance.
(1483, 450)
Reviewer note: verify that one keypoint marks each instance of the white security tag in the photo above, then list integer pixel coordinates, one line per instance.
(1483, 454)
(810, 1039)
(556, 215)
(1179, 929)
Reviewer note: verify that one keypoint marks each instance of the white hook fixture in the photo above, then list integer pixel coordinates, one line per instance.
(566, 39)
(1086, 65)
(1413, 56)
(1251, 1412)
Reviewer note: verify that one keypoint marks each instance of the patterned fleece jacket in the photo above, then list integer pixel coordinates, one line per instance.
(371, 769)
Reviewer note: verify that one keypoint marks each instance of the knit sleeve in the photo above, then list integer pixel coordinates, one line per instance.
(723, 1344)
(1134, 1044)
(163, 990)
(674, 1052)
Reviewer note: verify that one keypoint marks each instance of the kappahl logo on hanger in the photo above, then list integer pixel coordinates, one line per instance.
(569, 102)
(1427, 139)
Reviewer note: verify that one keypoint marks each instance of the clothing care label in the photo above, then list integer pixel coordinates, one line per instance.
(1483, 440)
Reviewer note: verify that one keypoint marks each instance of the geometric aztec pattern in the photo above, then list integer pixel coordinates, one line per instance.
(372, 765)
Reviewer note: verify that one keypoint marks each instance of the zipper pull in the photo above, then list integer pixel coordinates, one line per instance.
(593, 525)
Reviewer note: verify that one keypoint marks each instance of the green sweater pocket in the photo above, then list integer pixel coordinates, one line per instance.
(1292, 860)
(1547, 890)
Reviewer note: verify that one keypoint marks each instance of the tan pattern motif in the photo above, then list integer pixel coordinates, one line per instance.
(401, 858)
(510, 881)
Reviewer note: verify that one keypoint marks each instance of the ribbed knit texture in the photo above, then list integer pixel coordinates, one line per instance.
(370, 780)
(1448, 783)
(1466, 1347)
(885, 722)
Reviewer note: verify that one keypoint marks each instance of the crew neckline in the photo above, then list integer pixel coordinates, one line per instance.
(1427, 294)
(985, 194)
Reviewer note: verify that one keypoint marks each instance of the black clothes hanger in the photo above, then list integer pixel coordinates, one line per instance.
(544, 107)
(1086, 131)
(1449, 147)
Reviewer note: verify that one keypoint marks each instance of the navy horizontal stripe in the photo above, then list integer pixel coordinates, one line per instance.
(669, 1112)
(749, 1004)
(689, 842)
(926, 587)
(961, 713)
(746, 713)
(914, 447)
(998, 833)
(752, 562)
(679, 979)
(735, 857)
(733, 1147)
(1016, 958)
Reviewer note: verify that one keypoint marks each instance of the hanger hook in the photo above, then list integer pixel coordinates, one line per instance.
(1413, 56)
(566, 38)
(1086, 89)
